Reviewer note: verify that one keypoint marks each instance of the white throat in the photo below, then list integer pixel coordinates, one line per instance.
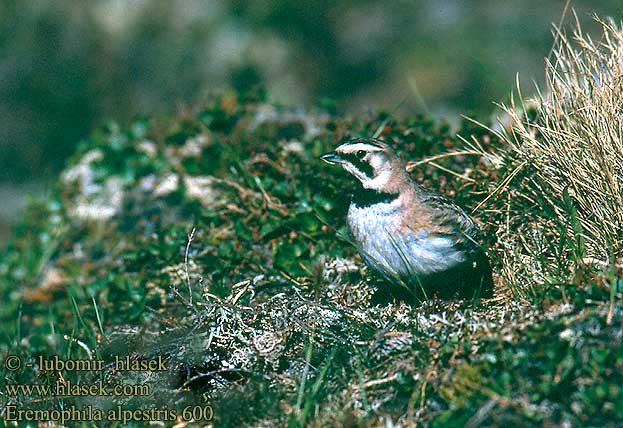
(379, 181)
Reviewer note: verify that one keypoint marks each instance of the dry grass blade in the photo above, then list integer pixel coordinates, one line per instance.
(564, 154)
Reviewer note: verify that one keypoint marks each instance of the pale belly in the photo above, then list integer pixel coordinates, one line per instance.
(402, 255)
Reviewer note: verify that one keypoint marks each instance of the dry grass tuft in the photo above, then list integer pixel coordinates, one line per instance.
(562, 195)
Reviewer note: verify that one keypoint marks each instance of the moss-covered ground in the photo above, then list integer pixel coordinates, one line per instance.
(216, 240)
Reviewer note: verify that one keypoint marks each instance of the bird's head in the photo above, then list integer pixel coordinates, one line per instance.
(371, 161)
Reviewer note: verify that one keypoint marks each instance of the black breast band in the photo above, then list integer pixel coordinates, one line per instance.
(367, 197)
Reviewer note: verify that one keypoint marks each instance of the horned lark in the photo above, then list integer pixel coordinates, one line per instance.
(413, 236)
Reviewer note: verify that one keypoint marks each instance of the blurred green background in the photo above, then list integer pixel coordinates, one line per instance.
(69, 65)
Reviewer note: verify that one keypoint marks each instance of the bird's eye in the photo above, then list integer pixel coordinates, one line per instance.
(360, 154)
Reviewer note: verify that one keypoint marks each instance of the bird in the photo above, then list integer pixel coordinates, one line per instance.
(420, 241)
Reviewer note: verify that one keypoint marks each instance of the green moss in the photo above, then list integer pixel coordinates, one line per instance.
(559, 371)
(279, 320)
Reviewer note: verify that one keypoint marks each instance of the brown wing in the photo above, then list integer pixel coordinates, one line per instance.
(447, 211)
(441, 216)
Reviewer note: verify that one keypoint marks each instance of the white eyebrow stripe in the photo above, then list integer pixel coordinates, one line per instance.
(351, 148)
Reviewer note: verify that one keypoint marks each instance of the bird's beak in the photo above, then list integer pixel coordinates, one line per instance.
(331, 158)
